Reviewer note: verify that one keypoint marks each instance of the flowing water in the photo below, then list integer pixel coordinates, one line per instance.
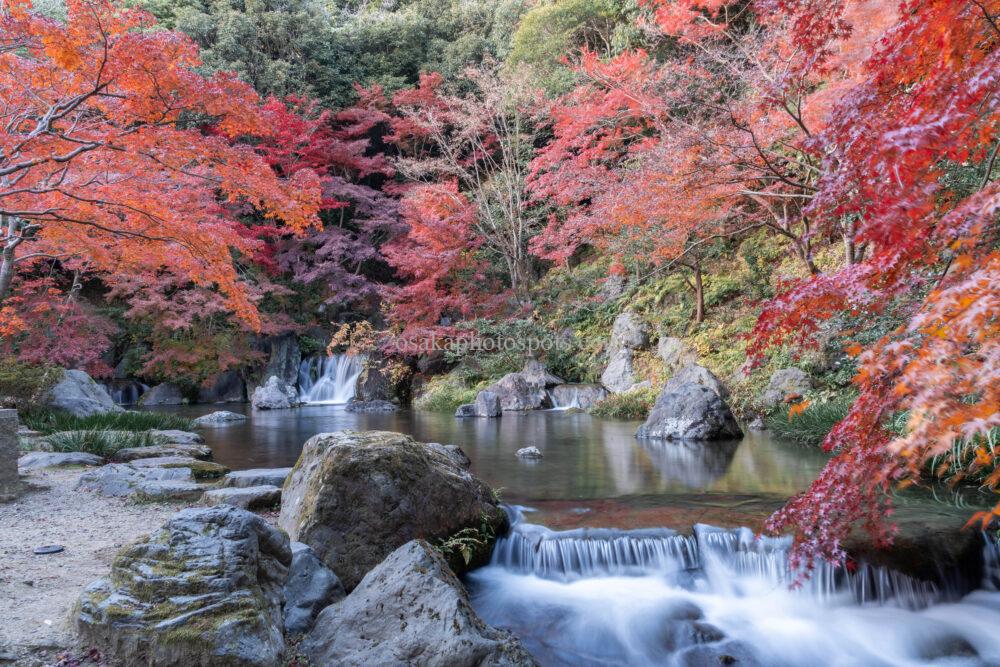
(330, 379)
(617, 565)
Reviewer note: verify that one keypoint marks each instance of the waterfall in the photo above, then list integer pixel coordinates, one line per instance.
(330, 379)
(590, 597)
(125, 392)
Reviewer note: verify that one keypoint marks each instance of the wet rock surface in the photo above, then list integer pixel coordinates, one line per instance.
(219, 418)
(690, 411)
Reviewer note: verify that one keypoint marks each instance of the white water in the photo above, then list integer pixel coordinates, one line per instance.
(653, 597)
(329, 379)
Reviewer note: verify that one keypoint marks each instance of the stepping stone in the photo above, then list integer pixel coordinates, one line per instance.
(157, 451)
(257, 477)
(249, 498)
(199, 469)
(155, 490)
(123, 479)
(39, 460)
(173, 436)
(220, 418)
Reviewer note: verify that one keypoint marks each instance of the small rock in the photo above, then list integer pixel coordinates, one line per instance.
(371, 406)
(39, 460)
(529, 453)
(257, 477)
(48, 549)
(310, 588)
(219, 418)
(757, 424)
(156, 451)
(246, 497)
(466, 410)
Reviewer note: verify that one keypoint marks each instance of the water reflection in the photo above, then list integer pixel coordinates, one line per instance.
(585, 457)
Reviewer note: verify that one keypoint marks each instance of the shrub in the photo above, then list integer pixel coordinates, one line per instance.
(23, 384)
(47, 421)
(634, 404)
(810, 426)
(444, 394)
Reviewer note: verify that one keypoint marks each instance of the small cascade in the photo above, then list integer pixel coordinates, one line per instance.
(330, 379)
(125, 392)
(574, 396)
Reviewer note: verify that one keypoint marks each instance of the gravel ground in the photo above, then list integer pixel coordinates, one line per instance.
(37, 593)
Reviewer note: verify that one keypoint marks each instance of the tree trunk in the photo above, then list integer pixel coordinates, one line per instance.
(6, 272)
(699, 294)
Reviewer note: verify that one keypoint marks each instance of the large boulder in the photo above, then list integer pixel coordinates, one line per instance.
(310, 588)
(410, 610)
(227, 387)
(696, 374)
(619, 376)
(203, 590)
(285, 357)
(582, 396)
(675, 353)
(785, 383)
(690, 411)
(166, 393)
(487, 404)
(629, 332)
(382, 380)
(526, 389)
(356, 496)
(275, 394)
(192, 450)
(78, 394)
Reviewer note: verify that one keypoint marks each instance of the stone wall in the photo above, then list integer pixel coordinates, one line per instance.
(9, 483)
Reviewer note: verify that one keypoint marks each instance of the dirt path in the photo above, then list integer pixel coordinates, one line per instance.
(37, 593)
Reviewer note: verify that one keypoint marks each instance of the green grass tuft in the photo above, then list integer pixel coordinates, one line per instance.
(54, 421)
(99, 442)
(444, 394)
(811, 426)
(634, 404)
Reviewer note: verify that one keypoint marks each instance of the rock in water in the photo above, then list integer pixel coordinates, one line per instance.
(785, 382)
(529, 453)
(371, 406)
(355, 496)
(466, 410)
(311, 587)
(410, 610)
(219, 418)
(78, 394)
(166, 393)
(525, 390)
(205, 589)
(582, 396)
(275, 394)
(699, 375)
(226, 387)
(690, 411)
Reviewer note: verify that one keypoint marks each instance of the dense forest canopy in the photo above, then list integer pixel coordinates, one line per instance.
(777, 181)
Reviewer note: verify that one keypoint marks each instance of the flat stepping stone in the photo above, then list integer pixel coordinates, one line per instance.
(123, 479)
(167, 489)
(199, 469)
(39, 460)
(257, 477)
(173, 436)
(220, 418)
(249, 498)
(157, 451)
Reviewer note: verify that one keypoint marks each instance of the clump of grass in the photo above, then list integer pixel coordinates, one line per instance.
(55, 421)
(445, 394)
(100, 442)
(969, 461)
(811, 426)
(634, 404)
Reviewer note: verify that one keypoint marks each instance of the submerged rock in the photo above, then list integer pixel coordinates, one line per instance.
(784, 383)
(410, 610)
(219, 418)
(193, 451)
(529, 453)
(246, 497)
(275, 394)
(205, 589)
(78, 394)
(690, 411)
(355, 496)
(310, 588)
(166, 393)
(39, 460)
(257, 477)
(371, 406)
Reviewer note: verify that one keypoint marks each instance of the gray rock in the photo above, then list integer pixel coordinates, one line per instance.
(199, 469)
(757, 424)
(166, 393)
(628, 332)
(257, 477)
(310, 588)
(163, 490)
(123, 479)
(203, 590)
(619, 376)
(247, 497)
(466, 410)
(355, 496)
(487, 404)
(39, 460)
(410, 610)
(453, 452)
(275, 394)
(529, 453)
(226, 387)
(371, 406)
(785, 382)
(728, 652)
(176, 437)
(690, 411)
(675, 353)
(219, 418)
(380, 380)
(524, 390)
(535, 373)
(285, 358)
(613, 287)
(698, 375)
(193, 451)
(78, 394)
(582, 396)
